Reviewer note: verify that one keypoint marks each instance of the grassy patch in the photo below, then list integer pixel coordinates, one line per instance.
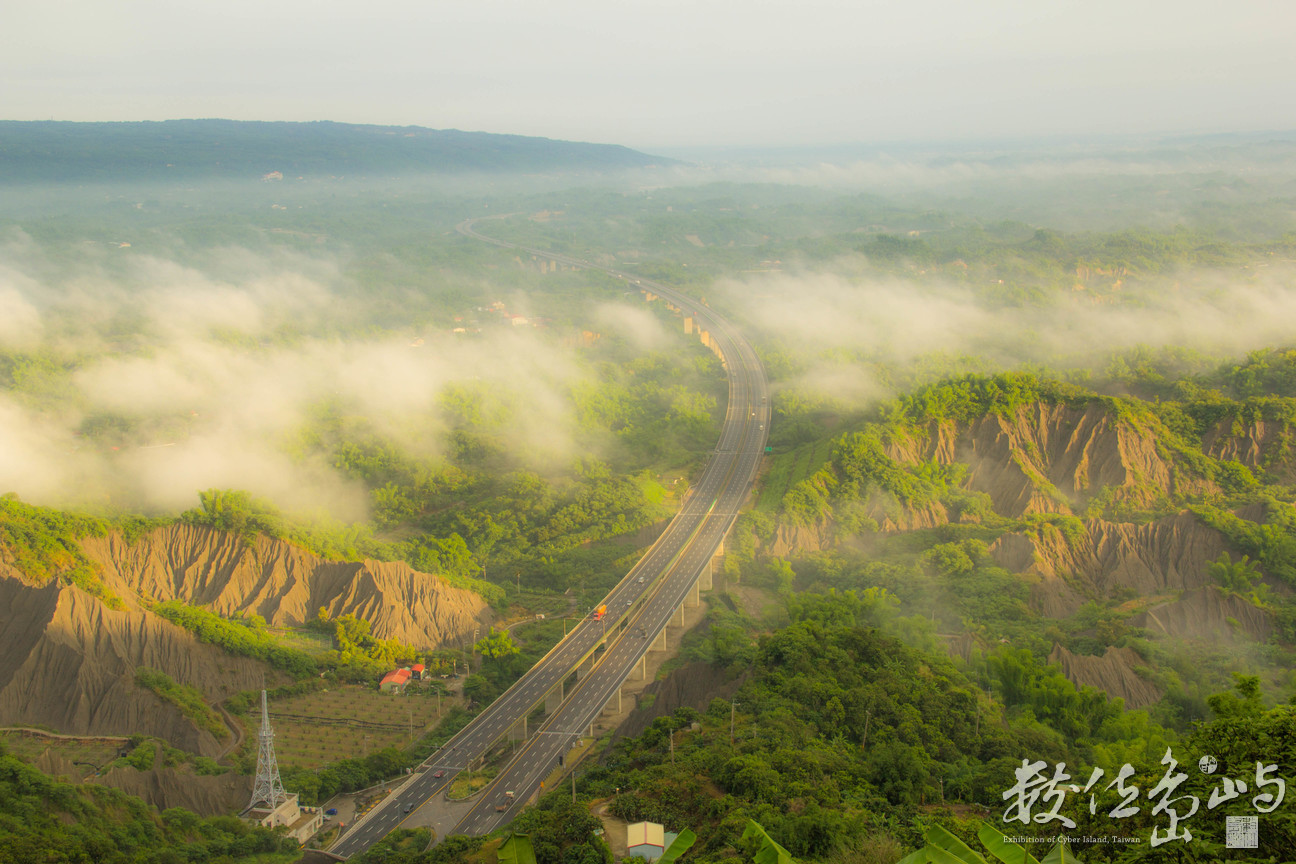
(790, 468)
(45, 544)
(186, 698)
(466, 785)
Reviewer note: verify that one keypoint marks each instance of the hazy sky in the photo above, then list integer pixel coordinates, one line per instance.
(665, 72)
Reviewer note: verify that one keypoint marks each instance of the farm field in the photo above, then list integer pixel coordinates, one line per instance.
(790, 468)
(349, 722)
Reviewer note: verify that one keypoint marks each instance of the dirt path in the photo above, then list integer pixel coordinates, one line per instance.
(27, 730)
(238, 732)
(614, 829)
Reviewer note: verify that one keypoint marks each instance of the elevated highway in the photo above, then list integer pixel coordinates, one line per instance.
(640, 607)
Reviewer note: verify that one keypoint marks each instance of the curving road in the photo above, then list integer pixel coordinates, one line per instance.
(639, 607)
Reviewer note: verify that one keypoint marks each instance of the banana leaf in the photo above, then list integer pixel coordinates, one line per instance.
(940, 840)
(517, 849)
(678, 847)
(1061, 854)
(1005, 850)
(769, 851)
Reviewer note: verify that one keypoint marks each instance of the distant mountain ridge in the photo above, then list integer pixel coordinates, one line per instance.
(42, 151)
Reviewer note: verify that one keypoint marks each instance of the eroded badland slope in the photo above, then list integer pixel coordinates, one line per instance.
(68, 659)
(285, 584)
(1087, 501)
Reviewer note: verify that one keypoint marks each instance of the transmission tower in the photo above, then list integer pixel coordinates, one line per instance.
(268, 790)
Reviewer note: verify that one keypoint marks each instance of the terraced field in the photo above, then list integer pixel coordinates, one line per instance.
(349, 722)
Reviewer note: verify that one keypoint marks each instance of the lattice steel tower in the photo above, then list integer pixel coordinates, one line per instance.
(268, 790)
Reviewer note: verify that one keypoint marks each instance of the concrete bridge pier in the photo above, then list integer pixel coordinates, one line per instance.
(693, 597)
(678, 619)
(554, 699)
(642, 667)
(717, 562)
(519, 730)
(659, 643)
(585, 667)
(614, 704)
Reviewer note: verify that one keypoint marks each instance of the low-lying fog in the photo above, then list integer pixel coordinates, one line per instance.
(140, 384)
(133, 378)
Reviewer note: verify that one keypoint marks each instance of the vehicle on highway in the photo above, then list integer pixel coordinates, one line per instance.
(600, 611)
(641, 580)
(438, 775)
(409, 807)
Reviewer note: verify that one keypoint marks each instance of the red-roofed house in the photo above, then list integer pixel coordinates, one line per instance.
(417, 670)
(394, 681)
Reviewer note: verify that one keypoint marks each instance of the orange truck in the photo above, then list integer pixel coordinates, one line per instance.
(600, 611)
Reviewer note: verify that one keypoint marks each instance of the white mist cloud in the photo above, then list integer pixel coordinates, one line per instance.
(185, 367)
(640, 327)
(834, 321)
(37, 457)
(894, 317)
(137, 385)
(169, 475)
(20, 321)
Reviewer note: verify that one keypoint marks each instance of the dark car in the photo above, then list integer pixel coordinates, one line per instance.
(438, 775)
(332, 811)
(409, 807)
